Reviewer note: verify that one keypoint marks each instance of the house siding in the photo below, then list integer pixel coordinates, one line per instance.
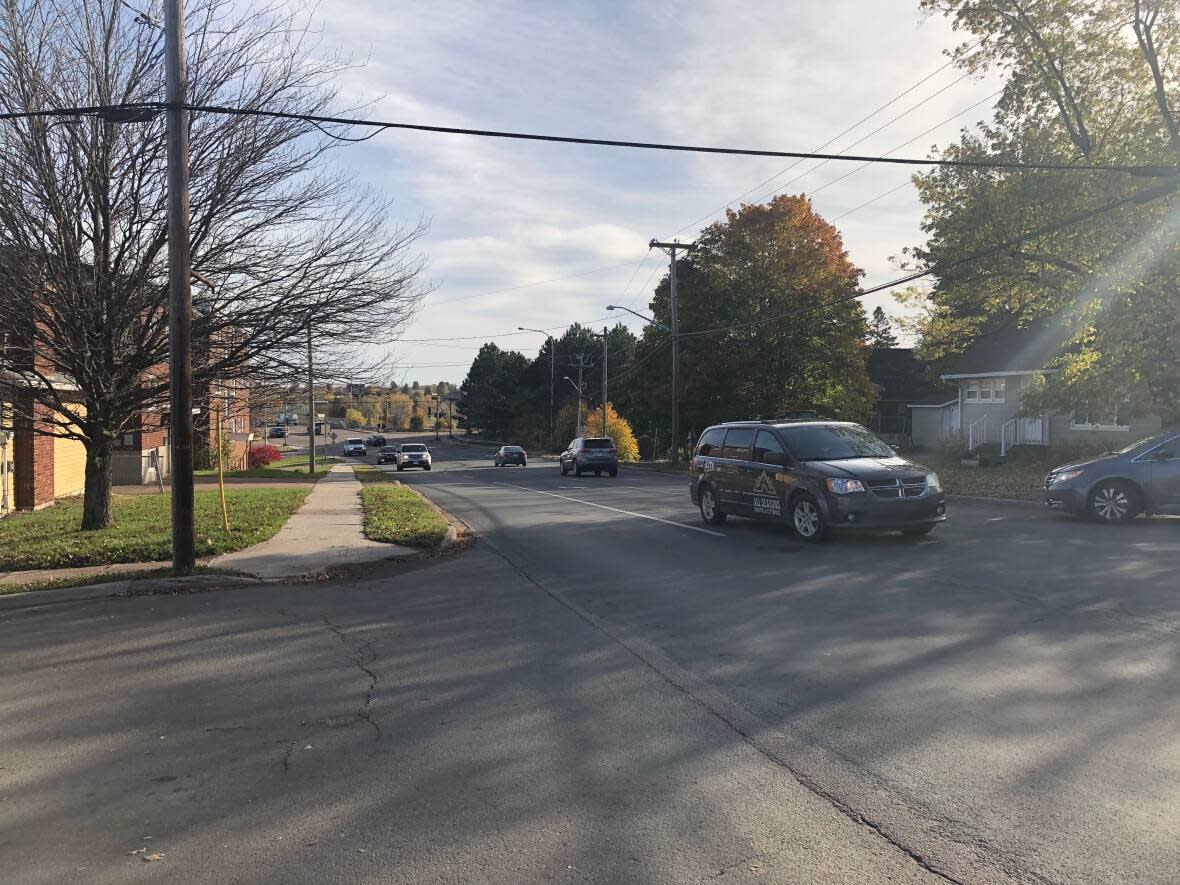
(1062, 433)
(69, 467)
(932, 426)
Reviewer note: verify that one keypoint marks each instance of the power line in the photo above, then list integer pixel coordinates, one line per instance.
(490, 335)
(834, 138)
(1144, 196)
(1145, 170)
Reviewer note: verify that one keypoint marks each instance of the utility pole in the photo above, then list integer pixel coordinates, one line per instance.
(310, 408)
(604, 358)
(671, 249)
(180, 302)
(581, 364)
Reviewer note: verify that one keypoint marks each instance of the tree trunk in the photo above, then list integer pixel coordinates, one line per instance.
(96, 500)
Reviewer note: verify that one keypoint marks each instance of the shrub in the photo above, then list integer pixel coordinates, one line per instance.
(205, 455)
(988, 454)
(417, 423)
(261, 456)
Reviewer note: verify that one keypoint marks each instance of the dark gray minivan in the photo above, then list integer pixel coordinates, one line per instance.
(813, 475)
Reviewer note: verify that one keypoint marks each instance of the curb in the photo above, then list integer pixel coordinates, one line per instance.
(123, 589)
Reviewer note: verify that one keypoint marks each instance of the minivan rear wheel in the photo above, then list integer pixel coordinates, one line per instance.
(710, 511)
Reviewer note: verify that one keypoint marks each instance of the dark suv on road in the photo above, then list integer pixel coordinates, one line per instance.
(815, 476)
(1143, 477)
(595, 454)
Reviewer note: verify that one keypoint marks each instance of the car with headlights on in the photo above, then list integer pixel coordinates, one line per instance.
(413, 455)
(816, 476)
(1143, 477)
(511, 455)
(387, 455)
(354, 445)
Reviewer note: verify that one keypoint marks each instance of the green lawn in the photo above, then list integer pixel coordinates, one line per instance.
(51, 538)
(396, 514)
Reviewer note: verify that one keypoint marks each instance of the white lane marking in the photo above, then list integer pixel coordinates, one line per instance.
(671, 522)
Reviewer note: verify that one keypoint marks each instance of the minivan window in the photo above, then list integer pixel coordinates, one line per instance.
(710, 442)
(598, 444)
(834, 442)
(737, 443)
(768, 450)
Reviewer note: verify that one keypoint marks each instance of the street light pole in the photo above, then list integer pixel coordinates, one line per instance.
(552, 373)
(180, 303)
(578, 388)
(671, 249)
(604, 358)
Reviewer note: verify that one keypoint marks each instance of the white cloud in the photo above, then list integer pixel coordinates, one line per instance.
(508, 214)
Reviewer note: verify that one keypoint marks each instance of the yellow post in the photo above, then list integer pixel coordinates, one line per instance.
(220, 468)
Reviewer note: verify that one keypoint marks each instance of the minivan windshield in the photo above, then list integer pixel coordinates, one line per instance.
(598, 444)
(413, 447)
(833, 442)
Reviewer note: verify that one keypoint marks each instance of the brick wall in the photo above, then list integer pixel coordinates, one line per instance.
(32, 458)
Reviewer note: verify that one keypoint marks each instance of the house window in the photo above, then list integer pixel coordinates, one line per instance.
(1102, 419)
(988, 390)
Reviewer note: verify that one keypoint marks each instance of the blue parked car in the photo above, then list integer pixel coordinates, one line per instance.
(1144, 477)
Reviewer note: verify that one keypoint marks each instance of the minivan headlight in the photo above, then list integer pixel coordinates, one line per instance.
(1066, 476)
(845, 486)
(932, 483)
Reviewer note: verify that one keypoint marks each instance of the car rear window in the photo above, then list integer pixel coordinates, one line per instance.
(710, 442)
(413, 447)
(737, 443)
(513, 450)
(598, 444)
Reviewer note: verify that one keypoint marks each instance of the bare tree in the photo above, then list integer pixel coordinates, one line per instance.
(280, 243)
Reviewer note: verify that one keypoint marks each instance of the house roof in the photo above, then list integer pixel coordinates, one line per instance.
(902, 377)
(1011, 348)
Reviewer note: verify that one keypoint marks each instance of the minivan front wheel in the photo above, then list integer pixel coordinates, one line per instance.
(808, 520)
(710, 512)
(1114, 502)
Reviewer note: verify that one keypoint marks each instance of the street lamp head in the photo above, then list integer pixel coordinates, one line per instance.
(610, 307)
(566, 378)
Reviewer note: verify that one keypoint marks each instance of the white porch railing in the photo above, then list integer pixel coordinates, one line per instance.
(981, 431)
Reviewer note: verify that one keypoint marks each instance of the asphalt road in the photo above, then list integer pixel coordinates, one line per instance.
(605, 690)
(998, 697)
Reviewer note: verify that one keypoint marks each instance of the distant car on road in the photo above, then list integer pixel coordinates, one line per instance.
(511, 455)
(813, 475)
(376, 441)
(413, 455)
(1143, 477)
(590, 453)
(387, 455)
(355, 446)
(278, 432)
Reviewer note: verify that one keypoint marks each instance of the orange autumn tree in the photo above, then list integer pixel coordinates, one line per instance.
(617, 427)
(777, 282)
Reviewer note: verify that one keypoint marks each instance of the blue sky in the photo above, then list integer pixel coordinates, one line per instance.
(544, 235)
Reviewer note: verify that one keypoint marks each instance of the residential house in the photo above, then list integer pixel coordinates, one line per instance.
(987, 406)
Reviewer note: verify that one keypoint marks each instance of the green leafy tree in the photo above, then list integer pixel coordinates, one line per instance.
(881, 335)
(1087, 81)
(491, 390)
(761, 262)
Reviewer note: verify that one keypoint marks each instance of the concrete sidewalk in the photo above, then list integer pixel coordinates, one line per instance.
(326, 531)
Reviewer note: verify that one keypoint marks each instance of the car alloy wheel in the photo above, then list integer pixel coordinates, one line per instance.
(1112, 502)
(710, 512)
(807, 519)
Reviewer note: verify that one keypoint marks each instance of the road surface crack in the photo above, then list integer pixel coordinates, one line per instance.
(668, 675)
(363, 657)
